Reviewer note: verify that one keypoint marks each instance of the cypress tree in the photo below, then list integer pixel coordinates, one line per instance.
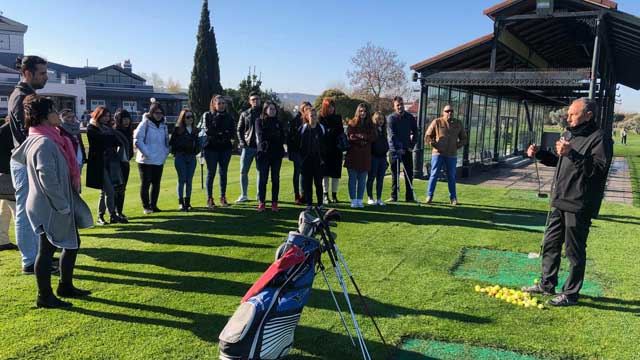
(205, 76)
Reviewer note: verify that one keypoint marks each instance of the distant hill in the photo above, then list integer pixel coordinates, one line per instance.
(289, 100)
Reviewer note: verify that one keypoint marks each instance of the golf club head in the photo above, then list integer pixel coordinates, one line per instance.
(332, 215)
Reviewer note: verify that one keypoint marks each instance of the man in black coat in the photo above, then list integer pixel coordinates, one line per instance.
(583, 160)
(402, 131)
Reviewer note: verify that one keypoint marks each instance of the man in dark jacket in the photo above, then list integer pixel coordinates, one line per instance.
(34, 77)
(7, 207)
(247, 141)
(402, 131)
(583, 160)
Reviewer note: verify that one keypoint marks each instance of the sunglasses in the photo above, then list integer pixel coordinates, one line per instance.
(188, 117)
(448, 111)
(158, 113)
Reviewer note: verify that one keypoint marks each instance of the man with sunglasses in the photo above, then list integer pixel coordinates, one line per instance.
(247, 141)
(445, 135)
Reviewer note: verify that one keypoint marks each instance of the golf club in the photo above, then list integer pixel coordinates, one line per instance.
(535, 161)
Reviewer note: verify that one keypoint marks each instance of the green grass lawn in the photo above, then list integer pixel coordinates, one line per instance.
(165, 284)
(632, 153)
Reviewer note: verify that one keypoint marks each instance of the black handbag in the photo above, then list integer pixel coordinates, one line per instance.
(7, 191)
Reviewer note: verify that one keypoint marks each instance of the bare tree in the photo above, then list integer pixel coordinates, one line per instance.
(377, 72)
(173, 86)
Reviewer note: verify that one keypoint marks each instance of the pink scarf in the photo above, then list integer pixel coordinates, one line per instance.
(65, 146)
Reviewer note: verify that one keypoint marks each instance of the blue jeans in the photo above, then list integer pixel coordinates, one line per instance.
(221, 160)
(246, 158)
(357, 182)
(26, 238)
(378, 169)
(265, 163)
(185, 167)
(437, 162)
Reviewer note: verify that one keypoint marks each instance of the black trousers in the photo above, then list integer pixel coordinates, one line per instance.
(572, 230)
(120, 190)
(150, 176)
(43, 265)
(407, 163)
(312, 173)
(266, 163)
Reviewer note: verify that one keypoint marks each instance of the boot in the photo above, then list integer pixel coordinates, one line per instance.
(334, 196)
(181, 206)
(187, 203)
(65, 290)
(325, 199)
(51, 302)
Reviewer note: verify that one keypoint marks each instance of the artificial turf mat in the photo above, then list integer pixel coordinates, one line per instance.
(414, 349)
(512, 269)
(521, 221)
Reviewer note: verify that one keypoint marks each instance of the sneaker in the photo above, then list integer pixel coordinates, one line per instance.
(298, 200)
(371, 202)
(118, 220)
(274, 207)
(147, 211)
(429, 200)
(123, 216)
(354, 204)
(392, 200)
(261, 207)
(454, 202)
(30, 270)
(538, 289)
(211, 204)
(381, 203)
(242, 199)
(101, 220)
(51, 302)
(71, 291)
(223, 201)
(360, 204)
(156, 209)
(8, 246)
(325, 198)
(562, 300)
(334, 197)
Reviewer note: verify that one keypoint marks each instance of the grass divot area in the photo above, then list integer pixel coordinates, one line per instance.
(521, 221)
(508, 268)
(414, 349)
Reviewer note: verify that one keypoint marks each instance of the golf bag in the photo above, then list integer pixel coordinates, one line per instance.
(263, 325)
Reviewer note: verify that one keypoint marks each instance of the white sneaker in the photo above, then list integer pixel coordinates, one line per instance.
(360, 204)
(242, 199)
(354, 203)
(381, 203)
(371, 201)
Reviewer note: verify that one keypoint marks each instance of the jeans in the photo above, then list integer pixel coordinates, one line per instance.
(265, 163)
(7, 210)
(26, 239)
(406, 162)
(246, 158)
(107, 196)
(378, 170)
(297, 170)
(150, 176)
(437, 162)
(357, 182)
(219, 159)
(185, 167)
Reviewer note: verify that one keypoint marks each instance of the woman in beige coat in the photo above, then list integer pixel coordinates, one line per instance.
(54, 208)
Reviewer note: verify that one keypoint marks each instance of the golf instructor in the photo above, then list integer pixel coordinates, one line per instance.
(584, 156)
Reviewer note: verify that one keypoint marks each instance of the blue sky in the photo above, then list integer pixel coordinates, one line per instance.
(298, 46)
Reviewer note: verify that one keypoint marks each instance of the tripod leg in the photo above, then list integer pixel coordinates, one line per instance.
(344, 322)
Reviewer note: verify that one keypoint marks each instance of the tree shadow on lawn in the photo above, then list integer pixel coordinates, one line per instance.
(177, 239)
(176, 260)
(631, 220)
(611, 304)
(319, 299)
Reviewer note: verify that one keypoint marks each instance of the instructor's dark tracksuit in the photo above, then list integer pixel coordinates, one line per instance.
(577, 194)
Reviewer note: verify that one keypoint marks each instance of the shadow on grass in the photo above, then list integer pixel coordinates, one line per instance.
(611, 304)
(176, 239)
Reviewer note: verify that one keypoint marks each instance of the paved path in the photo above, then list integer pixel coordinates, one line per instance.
(524, 178)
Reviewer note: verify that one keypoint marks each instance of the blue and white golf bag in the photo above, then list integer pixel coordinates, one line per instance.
(263, 325)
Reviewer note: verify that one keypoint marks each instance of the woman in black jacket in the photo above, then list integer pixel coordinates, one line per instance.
(124, 133)
(379, 164)
(103, 166)
(219, 128)
(332, 123)
(312, 152)
(270, 141)
(184, 147)
(293, 149)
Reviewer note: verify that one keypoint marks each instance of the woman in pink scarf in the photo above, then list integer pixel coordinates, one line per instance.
(54, 207)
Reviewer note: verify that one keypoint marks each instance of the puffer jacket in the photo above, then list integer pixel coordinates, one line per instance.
(152, 142)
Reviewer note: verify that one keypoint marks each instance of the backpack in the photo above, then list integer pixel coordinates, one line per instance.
(263, 325)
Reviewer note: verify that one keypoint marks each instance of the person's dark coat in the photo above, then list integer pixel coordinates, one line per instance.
(6, 145)
(183, 142)
(359, 154)
(293, 134)
(270, 137)
(581, 176)
(312, 143)
(16, 112)
(76, 141)
(128, 134)
(246, 128)
(380, 146)
(219, 129)
(101, 146)
(333, 125)
(402, 131)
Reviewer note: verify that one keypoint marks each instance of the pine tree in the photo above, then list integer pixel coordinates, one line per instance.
(205, 76)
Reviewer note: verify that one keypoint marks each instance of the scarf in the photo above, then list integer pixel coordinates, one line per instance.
(65, 146)
(73, 128)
